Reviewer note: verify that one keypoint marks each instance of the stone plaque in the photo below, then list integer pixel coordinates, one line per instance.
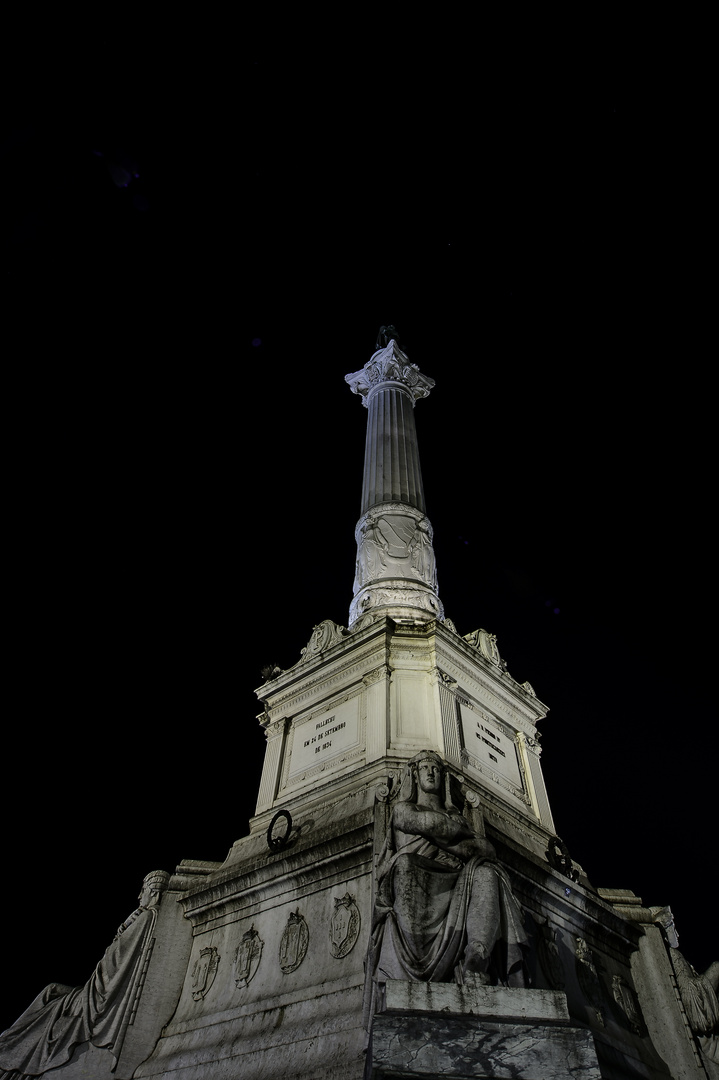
(324, 737)
(247, 957)
(344, 926)
(293, 944)
(486, 742)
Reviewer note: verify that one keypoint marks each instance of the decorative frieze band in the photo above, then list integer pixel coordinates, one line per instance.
(343, 925)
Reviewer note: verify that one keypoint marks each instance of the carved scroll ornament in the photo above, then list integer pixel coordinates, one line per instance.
(389, 364)
(324, 636)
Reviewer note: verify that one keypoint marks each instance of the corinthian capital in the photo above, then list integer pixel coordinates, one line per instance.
(389, 365)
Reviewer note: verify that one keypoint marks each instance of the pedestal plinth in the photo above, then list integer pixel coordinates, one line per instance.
(440, 1029)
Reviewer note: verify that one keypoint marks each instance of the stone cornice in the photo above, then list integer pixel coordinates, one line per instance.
(230, 890)
(344, 658)
(493, 677)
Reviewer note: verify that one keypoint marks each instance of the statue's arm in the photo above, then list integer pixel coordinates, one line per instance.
(448, 831)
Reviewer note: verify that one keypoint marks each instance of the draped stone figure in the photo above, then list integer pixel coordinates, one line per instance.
(444, 908)
(63, 1017)
(699, 997)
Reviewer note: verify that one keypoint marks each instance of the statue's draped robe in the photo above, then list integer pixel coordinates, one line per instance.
(62, 1017)
(425, 900)
(701, 1004)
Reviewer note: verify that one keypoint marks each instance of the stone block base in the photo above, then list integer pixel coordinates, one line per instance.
(432, 1030)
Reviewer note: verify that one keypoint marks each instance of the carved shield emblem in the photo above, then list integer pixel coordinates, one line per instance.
(344, 926)
(204, 971)
(247, 957)
(294, 941)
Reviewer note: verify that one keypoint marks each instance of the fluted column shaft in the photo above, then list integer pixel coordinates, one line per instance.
(395, 572)
(391, 465)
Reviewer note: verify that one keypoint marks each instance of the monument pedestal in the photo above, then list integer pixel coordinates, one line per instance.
(441, 1029)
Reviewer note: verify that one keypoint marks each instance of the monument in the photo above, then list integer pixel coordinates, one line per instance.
(402, 905)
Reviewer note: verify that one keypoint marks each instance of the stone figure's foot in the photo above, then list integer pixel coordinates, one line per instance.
(476, 963)
(476, 978)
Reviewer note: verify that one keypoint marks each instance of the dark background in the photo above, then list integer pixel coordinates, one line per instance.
(185, 459)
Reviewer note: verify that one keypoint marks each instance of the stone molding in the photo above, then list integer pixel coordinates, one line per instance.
(282, 999)
(243, 893)
(273, 728)
(398, 598)
(382, 672)
(292, 700)
(516, 710)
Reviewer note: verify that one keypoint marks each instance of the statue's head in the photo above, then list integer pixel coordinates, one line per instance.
(427, 772)
(153, 886)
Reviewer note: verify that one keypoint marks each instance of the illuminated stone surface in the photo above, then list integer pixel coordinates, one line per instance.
(395, 573)
(261, 968)
(433, 1029)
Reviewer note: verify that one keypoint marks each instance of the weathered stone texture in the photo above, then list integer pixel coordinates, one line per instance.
(453, 1046)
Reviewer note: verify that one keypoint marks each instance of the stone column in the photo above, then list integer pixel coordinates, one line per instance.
(395, 573)
(530, 750)
(275, 735)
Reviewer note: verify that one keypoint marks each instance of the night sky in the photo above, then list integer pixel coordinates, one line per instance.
(185, 461)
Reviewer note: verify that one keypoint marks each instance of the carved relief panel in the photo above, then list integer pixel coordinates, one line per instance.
(394, 543)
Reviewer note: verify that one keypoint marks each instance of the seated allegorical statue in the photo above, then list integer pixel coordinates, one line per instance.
(444, 909)
(63, 1017)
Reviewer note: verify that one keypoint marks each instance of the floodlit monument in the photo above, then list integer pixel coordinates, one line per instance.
(402, 905)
